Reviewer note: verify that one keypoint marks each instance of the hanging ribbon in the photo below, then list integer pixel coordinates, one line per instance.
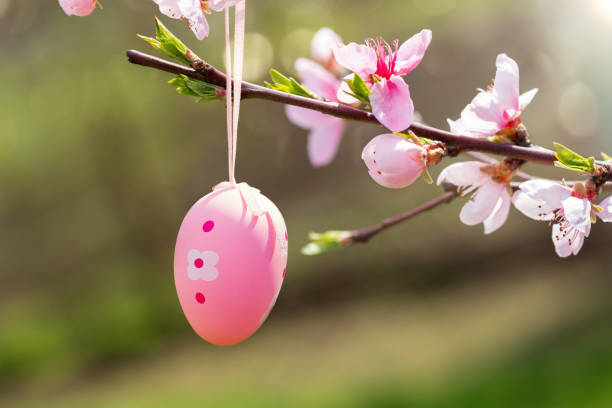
(232, 98)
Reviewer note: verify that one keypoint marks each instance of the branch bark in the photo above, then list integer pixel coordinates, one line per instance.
(456, 143)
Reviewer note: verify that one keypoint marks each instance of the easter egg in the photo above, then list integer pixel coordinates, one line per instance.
(229, 263)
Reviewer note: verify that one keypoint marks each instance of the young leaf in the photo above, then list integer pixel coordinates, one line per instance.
(606, 157)
(168, 44)
(191, 87)
(324, 242)
(570, 160)
(359, 88)
(287, 85)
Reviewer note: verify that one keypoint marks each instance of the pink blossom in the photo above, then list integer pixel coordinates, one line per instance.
(325, 130)
(194, 12)
(382, 66)
(394, 161)
(490, 204)
(321, 49)
(78, 7)
(570, 211)
(499, 107)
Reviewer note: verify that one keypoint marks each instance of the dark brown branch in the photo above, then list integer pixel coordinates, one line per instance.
(363, 235)
(457, 143)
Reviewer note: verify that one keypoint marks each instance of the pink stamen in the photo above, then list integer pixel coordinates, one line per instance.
(387, 56)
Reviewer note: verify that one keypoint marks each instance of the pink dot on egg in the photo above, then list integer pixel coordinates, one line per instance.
(286, 236)
(200, 298)
(198, 263)
(208, 226)
(284, 270)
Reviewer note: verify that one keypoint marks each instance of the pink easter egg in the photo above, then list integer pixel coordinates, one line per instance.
(229, 264)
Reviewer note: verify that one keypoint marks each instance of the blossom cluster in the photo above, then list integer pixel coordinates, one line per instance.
(395, 160)
(371, 76)
(192, 11)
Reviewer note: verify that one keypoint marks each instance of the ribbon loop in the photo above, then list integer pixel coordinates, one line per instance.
(234, 80)
(249, 194)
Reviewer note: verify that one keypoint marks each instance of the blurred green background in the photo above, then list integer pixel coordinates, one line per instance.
(100, 160)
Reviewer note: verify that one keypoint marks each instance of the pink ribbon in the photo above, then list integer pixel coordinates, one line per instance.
(249, 194)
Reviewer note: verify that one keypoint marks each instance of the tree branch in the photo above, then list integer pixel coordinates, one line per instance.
(363, 235)
(456, 143)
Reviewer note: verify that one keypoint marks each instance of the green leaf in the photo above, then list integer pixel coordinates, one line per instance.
(168, 44)
(287, 85)
(359, 88)
(606, 157)
(324, 242)
(570, 160)
(191, 87)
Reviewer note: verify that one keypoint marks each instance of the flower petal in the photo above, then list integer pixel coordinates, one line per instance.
(482, 117)
(220, 5)
(357, 58)
(307, 118)
(199, 26)
(317, 79)
(562, 246)
(606, 210)
(577, 212)
(323, 142)
(391, 103)
(322, 45)
(546, 192)
(210, 258)
(411, 52)
(192, 256)
(567, 241)
(534, 209)
(482, 203)
(499, 215)
(464, 174)
(506, 85)
(526, 98)
(393, 161)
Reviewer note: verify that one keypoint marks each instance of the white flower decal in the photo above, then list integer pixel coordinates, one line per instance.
(202, 265)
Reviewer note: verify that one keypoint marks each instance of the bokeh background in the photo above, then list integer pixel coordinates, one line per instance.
(100, 160)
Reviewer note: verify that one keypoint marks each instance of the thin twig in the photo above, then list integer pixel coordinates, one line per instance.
(363, 235)
(210, 74)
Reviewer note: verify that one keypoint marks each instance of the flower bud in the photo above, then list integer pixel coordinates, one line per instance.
(394, 161)
(78, 7)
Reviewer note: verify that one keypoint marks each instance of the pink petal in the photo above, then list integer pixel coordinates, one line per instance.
(357, 58)
(567, 242)
(199, 26)
(393, 161)
(307, 118)
(606, 210)
(483, 117)
(323, 142)
(577, 212)
(506, 85)
(482, 203)
(464, 174)
(499, 215)
(534, 209)
(411, 52)
(317, 79)
(220, 5)
(322, 45)
(79, 8)
(391, 103)
(526, 98)
(546, 192)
